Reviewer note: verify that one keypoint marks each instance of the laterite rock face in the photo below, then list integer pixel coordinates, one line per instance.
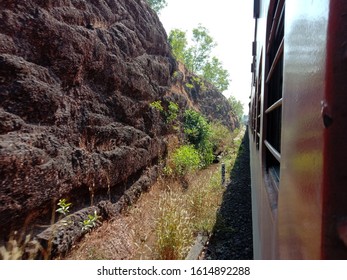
(76, 81)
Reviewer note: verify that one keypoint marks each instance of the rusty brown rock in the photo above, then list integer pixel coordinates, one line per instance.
(76, 80)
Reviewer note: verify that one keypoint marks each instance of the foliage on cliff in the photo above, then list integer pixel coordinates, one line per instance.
(197, 57)
(157, 5)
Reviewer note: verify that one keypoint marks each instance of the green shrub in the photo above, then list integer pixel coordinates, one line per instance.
(206, 153)
(196, 128)
(186, 159)
(220, 137)
(172, 113)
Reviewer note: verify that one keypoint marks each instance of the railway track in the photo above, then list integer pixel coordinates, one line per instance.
(232, 238)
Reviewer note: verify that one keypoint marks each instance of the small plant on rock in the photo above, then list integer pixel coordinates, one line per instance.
(63, 207)
(157, 105)
(89, 223)
(189, 85)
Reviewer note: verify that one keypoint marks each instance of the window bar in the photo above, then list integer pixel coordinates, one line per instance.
(275, 21)
(277, 58)
(274, 106)
(273, 151)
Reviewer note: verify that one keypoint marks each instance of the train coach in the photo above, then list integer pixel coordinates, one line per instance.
(298, 129)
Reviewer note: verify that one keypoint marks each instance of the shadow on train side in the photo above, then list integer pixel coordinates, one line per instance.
(232, 238)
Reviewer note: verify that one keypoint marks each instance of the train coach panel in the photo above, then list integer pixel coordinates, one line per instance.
(298, 129)
(264, 212)
(300, 198)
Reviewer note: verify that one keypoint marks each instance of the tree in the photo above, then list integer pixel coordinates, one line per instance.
(178, 42)
(197, 56)
(157, 5)
(214, 73)
(237, 107)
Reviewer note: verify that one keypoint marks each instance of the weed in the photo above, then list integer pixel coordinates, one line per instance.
(63, 207)
(172, 227)
(157, 105)
(186, 159)
(184, 214)
(189, 85)
(200, 82)
(168, 171)
(89, 223)
(203, 201)
(178, 76)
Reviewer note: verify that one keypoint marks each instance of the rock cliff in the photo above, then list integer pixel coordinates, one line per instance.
(76, 82)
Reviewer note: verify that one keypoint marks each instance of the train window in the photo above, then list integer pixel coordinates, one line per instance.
(274, 84)
(258, 111)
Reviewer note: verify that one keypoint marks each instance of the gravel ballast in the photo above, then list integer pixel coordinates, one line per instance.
(232, 238)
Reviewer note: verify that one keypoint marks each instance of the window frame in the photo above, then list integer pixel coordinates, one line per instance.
(273, 97)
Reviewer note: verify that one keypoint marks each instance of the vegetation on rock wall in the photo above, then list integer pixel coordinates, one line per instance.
(202, 143)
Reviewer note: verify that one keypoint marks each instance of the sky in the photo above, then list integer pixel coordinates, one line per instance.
(231, 25)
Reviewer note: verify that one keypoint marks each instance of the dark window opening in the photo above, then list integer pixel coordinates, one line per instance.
(273, 126)
(274, 82)
(259, 94)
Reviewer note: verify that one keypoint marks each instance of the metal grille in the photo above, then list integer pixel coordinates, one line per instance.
(274, 84)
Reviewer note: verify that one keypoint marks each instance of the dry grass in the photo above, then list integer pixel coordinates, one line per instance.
(19, 247)
(173, 235)
(205, 197)
(185, 213)
(110, 241)
(164, 221)
(161, 225)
